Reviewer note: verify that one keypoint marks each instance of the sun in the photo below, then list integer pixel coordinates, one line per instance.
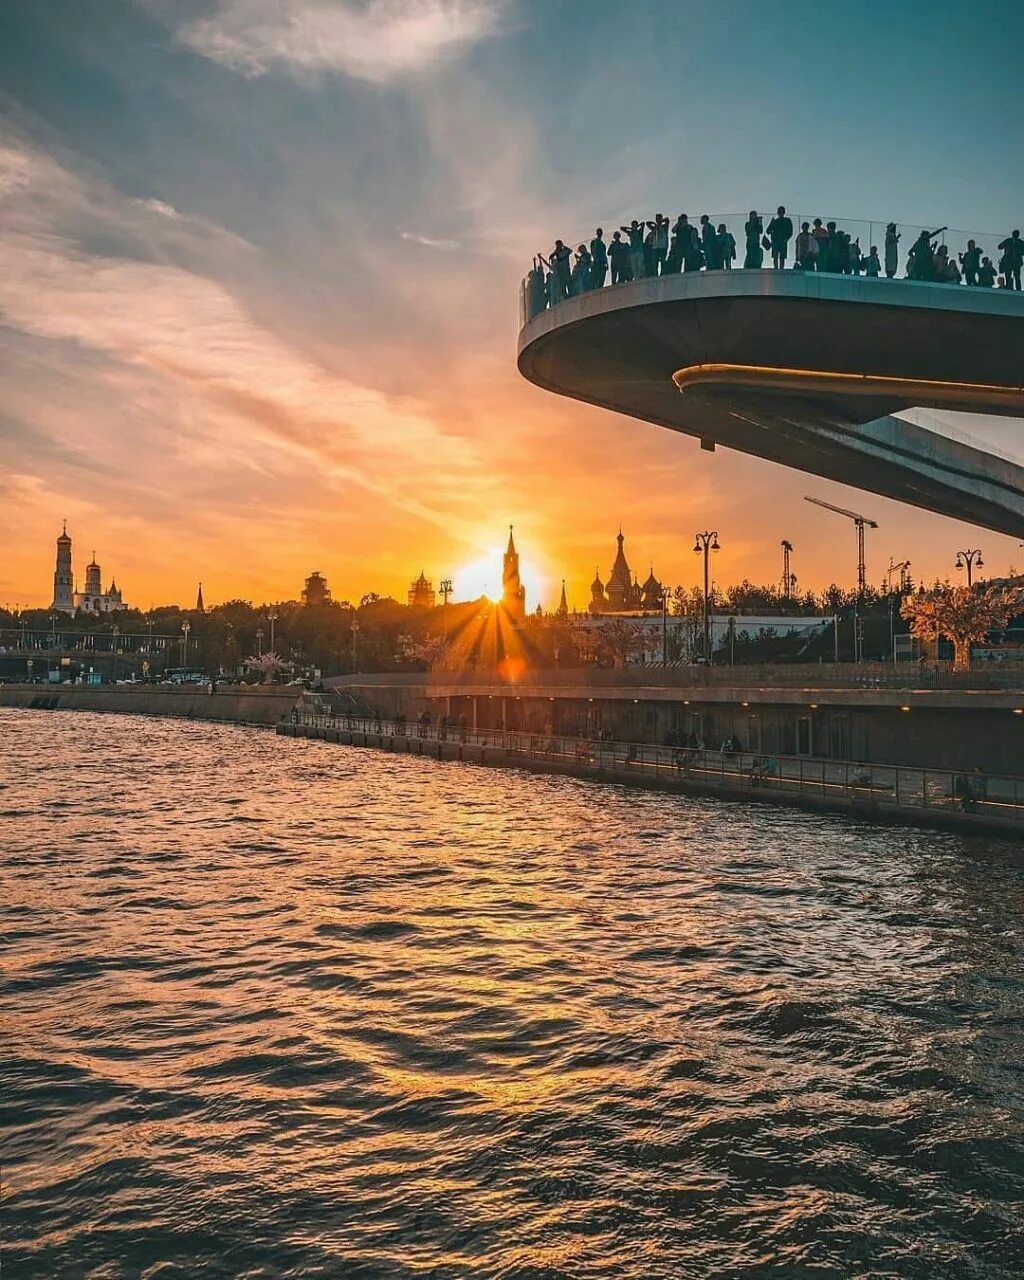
(482, 577)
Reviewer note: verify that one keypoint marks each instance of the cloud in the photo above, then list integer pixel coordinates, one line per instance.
(378, 41)
(428, 242)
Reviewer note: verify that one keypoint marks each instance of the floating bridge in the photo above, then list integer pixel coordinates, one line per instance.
(807, 370)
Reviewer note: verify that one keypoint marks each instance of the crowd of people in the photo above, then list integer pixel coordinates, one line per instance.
(648, 248)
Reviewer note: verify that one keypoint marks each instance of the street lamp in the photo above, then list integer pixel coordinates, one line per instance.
(53, 631)
(970, 560)
(355, 633)
(272, 618)
(186, 627)
(664, 625)
(447, 587)
(706, 542)
(115, 631)
(259, 642)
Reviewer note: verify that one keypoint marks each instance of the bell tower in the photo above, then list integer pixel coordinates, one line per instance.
(63, 579)
(513, 593)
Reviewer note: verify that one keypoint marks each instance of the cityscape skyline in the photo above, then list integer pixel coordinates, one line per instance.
(240, 366)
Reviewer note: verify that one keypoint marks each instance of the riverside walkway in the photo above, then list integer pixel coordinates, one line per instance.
(927, 797)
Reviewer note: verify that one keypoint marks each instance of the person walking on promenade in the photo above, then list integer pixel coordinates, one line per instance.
(753, 229)
(1012, 261)
(709, 243)
(618, 256)
(780, 232)
(726, 246)
(892, 250)
(635, 231)
(560, 269)
(806, 248)
(970, 261)
(659, 244)
(853, 257)
(987, 274)
(598, 260)
(872, 265)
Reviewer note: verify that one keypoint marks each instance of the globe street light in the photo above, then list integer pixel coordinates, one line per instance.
(186, 627)
(272, 618)
(969, 560)
(706, 542)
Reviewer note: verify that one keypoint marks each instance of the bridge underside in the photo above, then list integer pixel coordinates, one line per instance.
(747, 360)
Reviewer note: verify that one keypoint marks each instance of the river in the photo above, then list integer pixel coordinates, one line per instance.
(286, 1008)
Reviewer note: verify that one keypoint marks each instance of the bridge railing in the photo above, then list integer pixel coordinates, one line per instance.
(864, 233)
(873, 785)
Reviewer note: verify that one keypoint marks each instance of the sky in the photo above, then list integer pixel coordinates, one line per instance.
(259, 266)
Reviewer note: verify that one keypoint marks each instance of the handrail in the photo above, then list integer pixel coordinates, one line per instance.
(899, 787)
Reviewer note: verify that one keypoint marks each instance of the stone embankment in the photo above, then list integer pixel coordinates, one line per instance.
(251, 704)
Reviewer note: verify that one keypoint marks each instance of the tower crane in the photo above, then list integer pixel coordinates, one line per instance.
(861, 522)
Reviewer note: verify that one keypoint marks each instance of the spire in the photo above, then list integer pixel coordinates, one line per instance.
(510, 549)
(563, 603)
(200, 607)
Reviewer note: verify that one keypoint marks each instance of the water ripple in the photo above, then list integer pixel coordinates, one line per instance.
(293, 1009)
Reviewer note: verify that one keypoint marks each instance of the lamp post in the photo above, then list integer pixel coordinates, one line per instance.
(259, 642)
(447, 587)
(53, 631)
(186, 627)
(970, 560)
(707, 542)
(664, 626)
(355, 633)
(115, 631)
(272, 618)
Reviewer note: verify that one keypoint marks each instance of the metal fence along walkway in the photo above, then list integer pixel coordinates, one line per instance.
(877, 789)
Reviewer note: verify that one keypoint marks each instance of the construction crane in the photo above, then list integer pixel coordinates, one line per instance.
(788, 578)
(861, 522)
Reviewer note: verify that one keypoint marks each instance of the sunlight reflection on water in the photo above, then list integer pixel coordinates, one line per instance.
(289, 1008)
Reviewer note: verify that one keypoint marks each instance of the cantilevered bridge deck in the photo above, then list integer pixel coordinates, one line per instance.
(807, 370)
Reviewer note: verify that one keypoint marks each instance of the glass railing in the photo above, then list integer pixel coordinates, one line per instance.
(727, 246)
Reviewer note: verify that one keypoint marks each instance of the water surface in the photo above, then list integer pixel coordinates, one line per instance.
(285, 1008)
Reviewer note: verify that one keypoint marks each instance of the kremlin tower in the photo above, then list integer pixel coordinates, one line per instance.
(513, 593)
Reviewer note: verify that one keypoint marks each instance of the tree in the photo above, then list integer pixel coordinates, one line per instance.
(620, 641)
(268, 665)
(963, 615)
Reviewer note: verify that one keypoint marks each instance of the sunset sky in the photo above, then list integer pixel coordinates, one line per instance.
(259, 263)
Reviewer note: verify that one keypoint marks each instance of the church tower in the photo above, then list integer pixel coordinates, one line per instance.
(513, 593)
(63, 580)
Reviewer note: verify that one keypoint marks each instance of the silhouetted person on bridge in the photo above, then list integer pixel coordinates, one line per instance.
(688, 242)
(970, 261)
(618, 256)
(598, 260)
(726, 247)
(709, 243)
(659, 244)
(987, 274)
(561, 270)
(580, 280)
(780, 232)
(872, 265)
(1012, 261)
(635, 231)
(753, 229)
(806, 249)
(921, 264)
(892, 250)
